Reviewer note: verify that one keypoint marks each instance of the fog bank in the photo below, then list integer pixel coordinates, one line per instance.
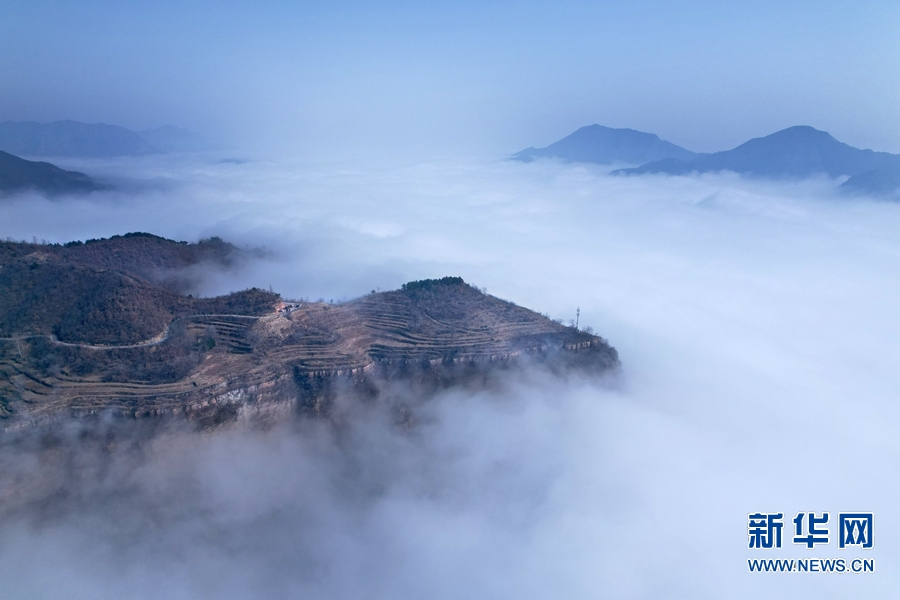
(756, 323)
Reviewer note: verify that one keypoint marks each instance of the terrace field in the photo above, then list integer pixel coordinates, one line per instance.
(99, 328)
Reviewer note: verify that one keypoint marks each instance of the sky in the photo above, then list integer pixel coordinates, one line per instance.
(332, 81)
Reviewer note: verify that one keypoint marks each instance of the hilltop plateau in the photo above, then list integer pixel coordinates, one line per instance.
(104, 327)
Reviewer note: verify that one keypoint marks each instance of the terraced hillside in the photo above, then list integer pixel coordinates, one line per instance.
(218, 359)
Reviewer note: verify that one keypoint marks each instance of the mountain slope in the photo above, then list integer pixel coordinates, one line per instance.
(877, 182)
(795, 152)
(83, 330)
(120, 290)
(605, 145)
(71, 138)
(17, 174)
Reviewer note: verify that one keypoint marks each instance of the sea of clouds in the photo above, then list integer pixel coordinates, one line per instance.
(757, 324)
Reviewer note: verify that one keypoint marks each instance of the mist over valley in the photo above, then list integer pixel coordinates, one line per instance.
(713, 288)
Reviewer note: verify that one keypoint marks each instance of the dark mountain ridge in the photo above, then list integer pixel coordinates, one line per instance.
(18, 174)
(605, 145)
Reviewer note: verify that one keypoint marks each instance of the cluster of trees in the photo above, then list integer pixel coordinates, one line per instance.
(103, 291)
(78, 304)
(427, 284)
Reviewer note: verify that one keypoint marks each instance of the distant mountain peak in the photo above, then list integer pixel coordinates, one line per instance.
(798, 135)
(796, 152)
(800, 130)
(607, 145)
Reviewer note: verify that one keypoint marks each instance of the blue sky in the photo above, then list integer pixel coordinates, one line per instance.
(456, 78)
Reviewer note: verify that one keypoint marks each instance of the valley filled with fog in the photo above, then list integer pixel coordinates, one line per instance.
(756, 323)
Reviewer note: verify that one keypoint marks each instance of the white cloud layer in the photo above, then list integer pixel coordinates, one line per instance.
(756, 322)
